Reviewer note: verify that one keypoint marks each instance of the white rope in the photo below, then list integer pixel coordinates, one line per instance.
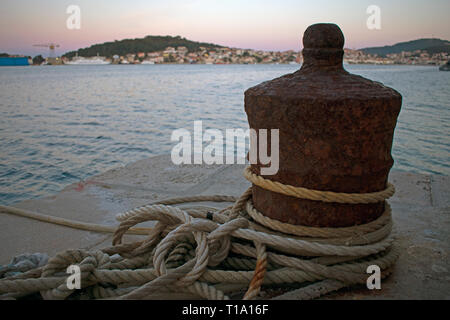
(201, 252)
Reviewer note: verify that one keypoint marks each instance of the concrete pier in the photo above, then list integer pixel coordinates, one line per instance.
(421, 212)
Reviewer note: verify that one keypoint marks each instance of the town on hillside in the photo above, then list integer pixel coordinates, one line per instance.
(181, 55)
(223, 55)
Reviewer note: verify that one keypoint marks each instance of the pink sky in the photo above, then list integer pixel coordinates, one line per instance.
(262, 24)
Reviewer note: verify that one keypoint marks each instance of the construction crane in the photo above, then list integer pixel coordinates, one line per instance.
(51, 47)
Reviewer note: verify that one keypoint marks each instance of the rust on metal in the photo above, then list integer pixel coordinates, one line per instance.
(335, 130)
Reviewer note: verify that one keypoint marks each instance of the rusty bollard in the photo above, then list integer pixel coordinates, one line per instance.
(335, 131)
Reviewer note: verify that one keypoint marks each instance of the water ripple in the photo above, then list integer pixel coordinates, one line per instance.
(59, 125)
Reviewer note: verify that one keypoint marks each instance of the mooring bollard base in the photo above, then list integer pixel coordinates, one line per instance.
(336, 132)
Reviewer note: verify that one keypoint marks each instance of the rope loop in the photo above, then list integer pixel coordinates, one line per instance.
(318, 195)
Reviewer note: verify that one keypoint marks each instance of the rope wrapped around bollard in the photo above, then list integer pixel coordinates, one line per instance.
(200, 252)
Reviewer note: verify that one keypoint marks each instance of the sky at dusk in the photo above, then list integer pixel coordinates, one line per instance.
(262, 24)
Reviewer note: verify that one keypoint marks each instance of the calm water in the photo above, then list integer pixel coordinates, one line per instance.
(62, 124)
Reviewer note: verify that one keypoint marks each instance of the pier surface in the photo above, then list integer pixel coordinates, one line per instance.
(421, 211)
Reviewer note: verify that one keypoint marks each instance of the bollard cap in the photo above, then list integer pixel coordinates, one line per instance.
(323, 35)
(322, 76)
(323, 47)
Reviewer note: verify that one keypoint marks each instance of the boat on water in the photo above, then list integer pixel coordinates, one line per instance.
(88, 61)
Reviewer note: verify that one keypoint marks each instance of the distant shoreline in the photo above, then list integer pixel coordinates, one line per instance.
(241, 64)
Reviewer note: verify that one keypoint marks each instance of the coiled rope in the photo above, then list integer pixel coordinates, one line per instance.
(210, 253)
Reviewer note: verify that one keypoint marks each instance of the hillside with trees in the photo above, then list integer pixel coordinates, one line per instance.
(147, 44)
(432, 46)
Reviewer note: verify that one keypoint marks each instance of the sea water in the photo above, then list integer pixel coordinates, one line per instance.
(61, 124)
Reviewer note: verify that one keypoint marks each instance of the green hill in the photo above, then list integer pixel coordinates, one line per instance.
(147, 44)
(430, 45)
